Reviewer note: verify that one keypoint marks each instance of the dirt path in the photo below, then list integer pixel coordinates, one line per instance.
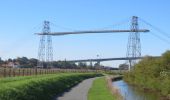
(79, 92)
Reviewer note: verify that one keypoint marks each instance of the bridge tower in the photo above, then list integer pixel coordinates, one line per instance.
(45, 53)
(134, 45)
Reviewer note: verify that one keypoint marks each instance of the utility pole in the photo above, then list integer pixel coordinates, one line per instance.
(98, 62)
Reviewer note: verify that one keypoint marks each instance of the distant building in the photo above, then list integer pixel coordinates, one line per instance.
(123, 67)
(11, 65)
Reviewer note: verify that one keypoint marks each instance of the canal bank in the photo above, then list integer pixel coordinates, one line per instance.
(114, 89)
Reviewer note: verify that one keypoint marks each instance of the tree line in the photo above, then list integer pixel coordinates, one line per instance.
(25, 62)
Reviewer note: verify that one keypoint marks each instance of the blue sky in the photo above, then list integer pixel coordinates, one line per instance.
(20, 19)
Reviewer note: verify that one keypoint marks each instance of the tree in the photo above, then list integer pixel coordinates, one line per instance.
(23, 60)
(33, 62)
(166, 60)
(1, 62)
(82, 65)
(10, 60)
(96, 65)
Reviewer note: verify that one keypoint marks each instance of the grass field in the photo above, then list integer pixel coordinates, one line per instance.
(41, 87)
(100, 91)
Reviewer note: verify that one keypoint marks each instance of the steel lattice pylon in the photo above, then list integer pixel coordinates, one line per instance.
(134, 45)
(49, 52)
(45, 53)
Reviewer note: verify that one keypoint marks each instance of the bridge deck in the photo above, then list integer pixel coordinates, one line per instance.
(108, 59)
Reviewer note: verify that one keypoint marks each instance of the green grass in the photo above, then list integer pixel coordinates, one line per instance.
(42, 87)
(100, 91)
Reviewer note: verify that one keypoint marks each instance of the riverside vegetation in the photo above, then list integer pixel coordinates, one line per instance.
(41, 87)
(152, 74)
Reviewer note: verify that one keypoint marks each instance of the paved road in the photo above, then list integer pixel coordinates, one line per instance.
(79, 92)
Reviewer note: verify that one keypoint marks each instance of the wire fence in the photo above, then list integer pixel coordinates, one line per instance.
(14, 72)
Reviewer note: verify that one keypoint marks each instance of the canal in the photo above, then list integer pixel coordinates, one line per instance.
(133, 93)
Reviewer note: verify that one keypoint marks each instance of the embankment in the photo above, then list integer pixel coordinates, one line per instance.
(114, 90)
(43, 87)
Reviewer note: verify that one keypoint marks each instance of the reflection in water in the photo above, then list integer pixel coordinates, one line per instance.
(132, 93)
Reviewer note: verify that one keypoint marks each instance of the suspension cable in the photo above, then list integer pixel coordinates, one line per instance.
(156, 28)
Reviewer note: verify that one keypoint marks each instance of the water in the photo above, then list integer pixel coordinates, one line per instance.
(133, 93)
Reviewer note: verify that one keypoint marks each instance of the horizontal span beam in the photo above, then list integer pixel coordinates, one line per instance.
(104, 59)
(92, 31)
(109, 59)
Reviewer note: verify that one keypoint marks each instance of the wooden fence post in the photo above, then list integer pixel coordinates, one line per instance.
(23, 71)
(13, 72)
(9, 72)
(19, 72)
(4, 72)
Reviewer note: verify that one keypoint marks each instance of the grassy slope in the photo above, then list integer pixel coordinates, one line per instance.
(39, 87)
(100, 91)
